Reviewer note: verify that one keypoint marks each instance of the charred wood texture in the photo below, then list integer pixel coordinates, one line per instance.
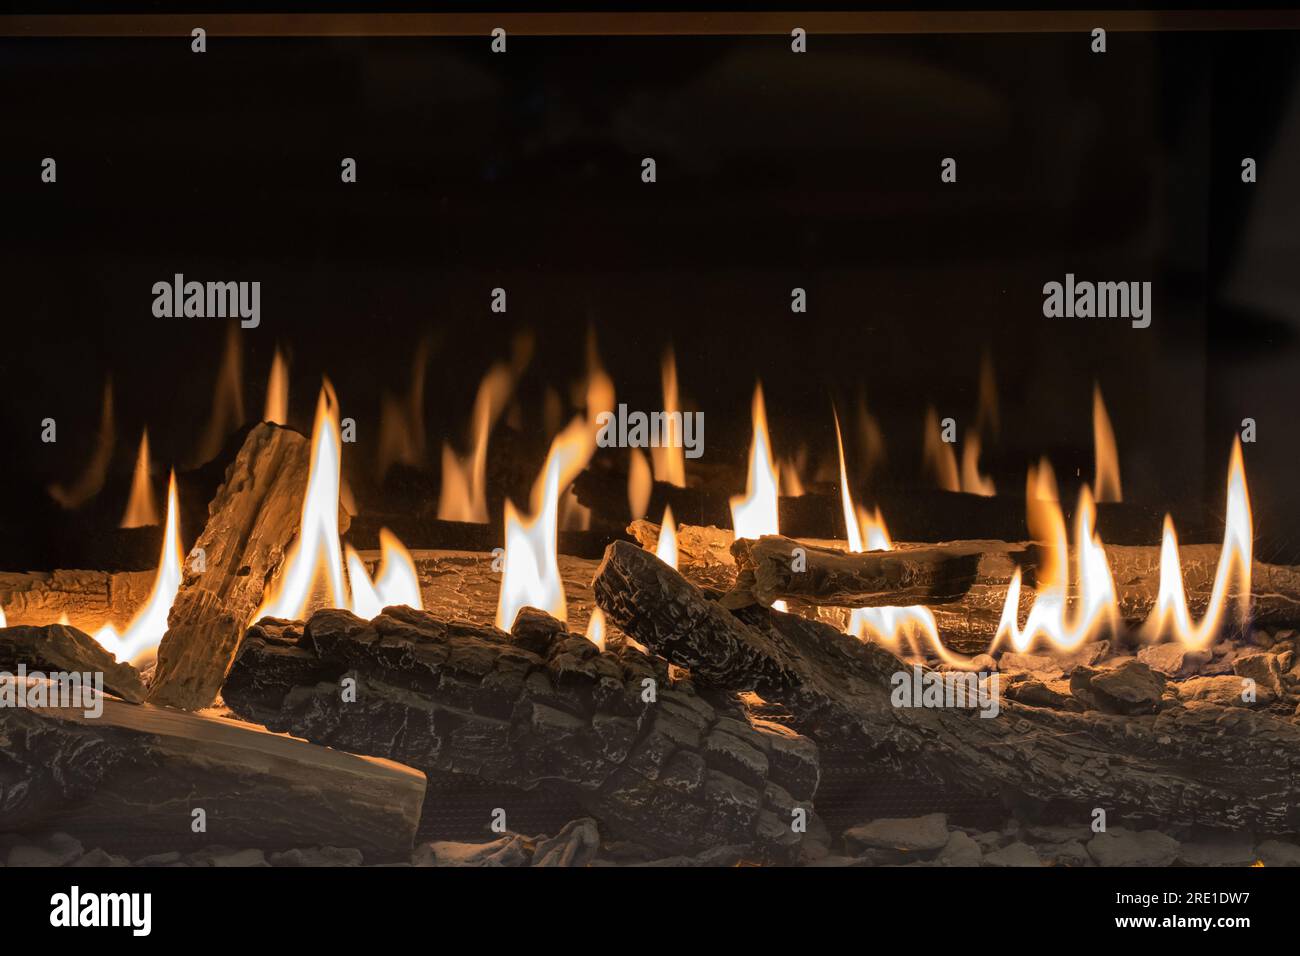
(253, 520)
(135, 774)
(537, 707)
(55, 647)
(1194, 763)
(88, 598)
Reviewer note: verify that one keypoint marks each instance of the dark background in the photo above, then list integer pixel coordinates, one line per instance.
(775, 170)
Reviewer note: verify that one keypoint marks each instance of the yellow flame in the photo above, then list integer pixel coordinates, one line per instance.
(1171, 617)
(666, 549)
(866, 531)
(228, 400)
(790, 467)
(145, 632)
(669, 459)
(317, 546)
(92, 479)
(939, 457)
(1074, 601)
(596, 628)
(3, 622)
(1105, 451)
(972, 482)
(639, 484)
(463, 496)
(141, 510)
(756, 512)
(277, 392)
(396, 581)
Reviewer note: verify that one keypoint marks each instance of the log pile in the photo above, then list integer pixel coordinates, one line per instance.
(1190, 762)
(648, 756)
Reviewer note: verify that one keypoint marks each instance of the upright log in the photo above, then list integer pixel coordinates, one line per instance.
(1192, 762)
(252, 522)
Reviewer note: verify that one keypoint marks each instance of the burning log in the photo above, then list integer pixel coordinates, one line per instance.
(423, 533)
(253, 519)
(965, 583)
(56, 647)
(538, 707)
(1197, 763)
(87, 598)
(137, 773)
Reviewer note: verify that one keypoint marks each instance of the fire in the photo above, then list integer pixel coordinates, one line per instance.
(228, 400)
(395, 583)
(145, 632)
(401, 421)
(317, 553)
(939, 457)
(1170, 616)
(640, 484)
(669, 460)
(756, 513)
(866, 531)
(1105, 452)
(1054, 616)
(277, 392)
(666, 549)
(92, 479)
(463, 496)
(791, 467)
(972, 482)
(141, 510)
(596, 628)
(3, 622)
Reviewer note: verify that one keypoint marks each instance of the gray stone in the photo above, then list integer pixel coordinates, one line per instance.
(910, 834)
(1173, 659)
(55, 849)
(1263, 669)
(1224, 690)
(318, 856)
(101, 858)
(1226, 849)
(1130, 688)
(960, 850)
(1278, 853)
(1014, 854)
(251, 857)
(1121, 847)
(509, 850)
(1058, 833)
(1072, 854)
(159, 859)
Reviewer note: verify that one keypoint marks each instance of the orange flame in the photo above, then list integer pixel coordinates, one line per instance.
(141, 510)
(277, 392)
(639, 484)
(1170, 616)
(1105, 451)
(666, 549)
(228, 400)
(316, 553)
(972, 482)
(668, 456)
(145, 632)
(401, 421)
(596, 628)
(92, 479)
(939, 457)
(756, 512)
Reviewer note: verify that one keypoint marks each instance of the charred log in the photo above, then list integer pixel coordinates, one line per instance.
(56, 647)
(539, 707)
(1193, 763)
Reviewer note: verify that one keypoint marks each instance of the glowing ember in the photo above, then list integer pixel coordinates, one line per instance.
(277, 392)
(1171, 617)
(1107, 456)
(596, 628)
(669, 460)
(145, 632)
(141, 510)
(666, 549)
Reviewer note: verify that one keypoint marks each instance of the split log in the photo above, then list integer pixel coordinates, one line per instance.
(55, 647)
(703, 553)
(538, 707)
(90, 599)
(130, 779)
(254, 518)
(1192, 763)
